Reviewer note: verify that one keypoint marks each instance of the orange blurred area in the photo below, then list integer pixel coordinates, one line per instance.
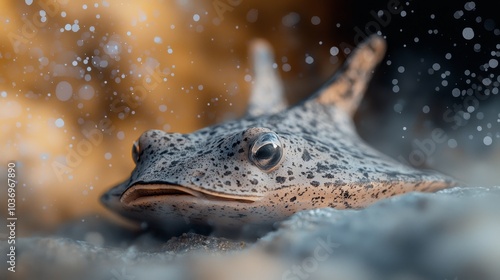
(81, 80)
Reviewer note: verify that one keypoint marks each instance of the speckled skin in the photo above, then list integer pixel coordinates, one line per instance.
(206, 177)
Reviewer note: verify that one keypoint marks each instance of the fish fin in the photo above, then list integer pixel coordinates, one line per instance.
(267, 95)
(347, 87)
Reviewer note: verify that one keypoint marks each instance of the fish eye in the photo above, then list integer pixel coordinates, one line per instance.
(135, 151)
(266, 151)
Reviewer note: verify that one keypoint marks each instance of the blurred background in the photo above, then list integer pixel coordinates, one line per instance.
(81, 80)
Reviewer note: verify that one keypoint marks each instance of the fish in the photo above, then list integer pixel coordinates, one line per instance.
(273, 162)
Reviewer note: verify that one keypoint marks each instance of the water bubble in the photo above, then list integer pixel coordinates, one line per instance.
(401, 69)
(158, 40)
(468, 33)
(315, 20)
(107, 156)
(493, 63)
(477, 47)
(436, 66)
(112, 48)
(309, 59)
(28, 2)
(486, 81)
(290, 19)
(469, 6)
(489, 24)
(196, 17)
(458, 14)
(398, 107)
(455, 92)
(86, 92)
(44, 61)
(162, 108)
(120, 135)
(59, 122)
(334, 51)
(452, 143)
(252, 15)
(64, 91)
(426, 109)
(487, 140)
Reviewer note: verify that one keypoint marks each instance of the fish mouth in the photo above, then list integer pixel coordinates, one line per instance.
(142, 192)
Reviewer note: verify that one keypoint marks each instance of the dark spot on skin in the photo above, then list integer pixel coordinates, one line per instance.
(236, 144)
(227, 173)
(314, 123)
(280, 180)
(306, 156)
(315, 183)
(227, 183)
(321, 168)
(290, 172)
(346, 194)
(254, 181)
(293, 199)
(241, 151)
